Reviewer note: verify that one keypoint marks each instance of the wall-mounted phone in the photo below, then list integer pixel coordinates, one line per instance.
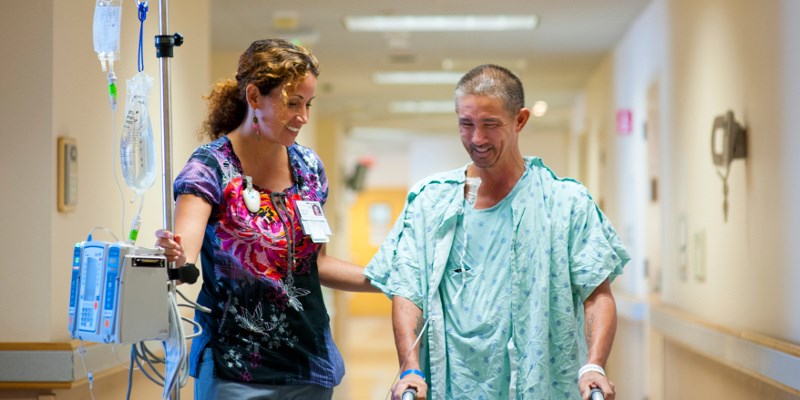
(728, 142)
(67, 174)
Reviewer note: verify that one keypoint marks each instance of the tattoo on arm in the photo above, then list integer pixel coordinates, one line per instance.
(589, 327)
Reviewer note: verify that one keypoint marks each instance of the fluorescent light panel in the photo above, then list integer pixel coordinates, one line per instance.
(422, 107)
(417, 78)
(440, 23)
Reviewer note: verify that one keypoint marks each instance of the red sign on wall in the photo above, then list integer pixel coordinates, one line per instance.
(624, 121)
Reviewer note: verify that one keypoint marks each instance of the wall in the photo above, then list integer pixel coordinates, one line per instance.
(790, 54)
(618, 179)
(706, 58)
(52, 85)
(27, 168)
(729, 55)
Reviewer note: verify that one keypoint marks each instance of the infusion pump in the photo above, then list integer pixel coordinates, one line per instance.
(118, 293)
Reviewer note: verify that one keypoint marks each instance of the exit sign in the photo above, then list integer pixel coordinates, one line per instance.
(624, 121)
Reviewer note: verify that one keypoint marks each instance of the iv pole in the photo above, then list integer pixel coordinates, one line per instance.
(164, 45)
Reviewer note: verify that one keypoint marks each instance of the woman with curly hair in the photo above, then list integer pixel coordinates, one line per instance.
(239, 203)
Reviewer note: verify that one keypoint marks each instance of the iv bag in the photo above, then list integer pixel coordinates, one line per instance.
(137, 151)
(106, 25)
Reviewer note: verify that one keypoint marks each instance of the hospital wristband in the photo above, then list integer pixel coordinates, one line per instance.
(412, 371)
(591, 367)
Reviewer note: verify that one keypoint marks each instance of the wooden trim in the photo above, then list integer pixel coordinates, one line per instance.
(37, 385)
(60, 385)
(41, 346)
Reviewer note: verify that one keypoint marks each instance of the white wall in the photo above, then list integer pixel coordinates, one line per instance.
(433, 154)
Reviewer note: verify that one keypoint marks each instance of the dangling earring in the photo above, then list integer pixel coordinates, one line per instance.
(256, 128)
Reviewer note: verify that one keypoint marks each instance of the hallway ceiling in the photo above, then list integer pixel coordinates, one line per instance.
(555, 60)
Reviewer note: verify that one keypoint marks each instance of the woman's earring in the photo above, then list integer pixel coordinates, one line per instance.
(256, 128)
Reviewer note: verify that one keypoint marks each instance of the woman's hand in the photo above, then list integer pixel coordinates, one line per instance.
(171, 244)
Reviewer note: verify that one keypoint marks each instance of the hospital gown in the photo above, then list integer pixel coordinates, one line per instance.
(561, 248)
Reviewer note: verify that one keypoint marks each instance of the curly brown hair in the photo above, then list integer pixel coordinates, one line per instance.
(267, 64)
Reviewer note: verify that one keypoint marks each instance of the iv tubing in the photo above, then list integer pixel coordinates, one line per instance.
(137, 220)
(414, 346)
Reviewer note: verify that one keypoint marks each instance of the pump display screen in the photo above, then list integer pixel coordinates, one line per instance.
(91, 287)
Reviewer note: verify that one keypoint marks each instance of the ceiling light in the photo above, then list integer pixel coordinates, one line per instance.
(440, 23)
(517, 65)
(539, 108)
(417, 78)
(303, 37)
(422, 107)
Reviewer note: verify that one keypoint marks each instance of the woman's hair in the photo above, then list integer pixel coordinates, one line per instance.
(266, 64)
(495, 81)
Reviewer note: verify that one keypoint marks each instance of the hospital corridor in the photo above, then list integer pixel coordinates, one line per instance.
(677, 116)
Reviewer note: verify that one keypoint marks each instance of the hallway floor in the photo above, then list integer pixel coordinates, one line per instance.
(369, 357)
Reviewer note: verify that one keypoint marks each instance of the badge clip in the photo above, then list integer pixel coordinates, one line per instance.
(252, 199)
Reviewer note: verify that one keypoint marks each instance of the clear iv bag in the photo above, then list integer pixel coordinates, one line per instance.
(137, 150)
(107, 20)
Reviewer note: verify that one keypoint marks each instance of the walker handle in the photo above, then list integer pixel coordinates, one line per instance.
(409, 394)
(596, 394)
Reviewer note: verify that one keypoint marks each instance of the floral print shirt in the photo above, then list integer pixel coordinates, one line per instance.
(268, 322)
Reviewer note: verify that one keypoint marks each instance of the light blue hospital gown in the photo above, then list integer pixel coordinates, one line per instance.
(557, 247)
(477, 302)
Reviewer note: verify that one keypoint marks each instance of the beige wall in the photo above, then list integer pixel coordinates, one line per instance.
(706, 57)
(27, 168)
(727, 55)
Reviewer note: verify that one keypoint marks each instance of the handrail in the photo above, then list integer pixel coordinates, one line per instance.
(776, 344)
(770, 360)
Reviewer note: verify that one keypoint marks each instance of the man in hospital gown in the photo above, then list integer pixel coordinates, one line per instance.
(504, 266)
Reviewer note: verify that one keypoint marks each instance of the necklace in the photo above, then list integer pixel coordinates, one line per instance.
(279, 202)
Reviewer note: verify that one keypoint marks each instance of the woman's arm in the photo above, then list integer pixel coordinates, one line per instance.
(337, 274)
(191, 217)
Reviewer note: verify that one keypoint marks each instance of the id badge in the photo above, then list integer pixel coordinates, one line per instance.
(313, 220)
